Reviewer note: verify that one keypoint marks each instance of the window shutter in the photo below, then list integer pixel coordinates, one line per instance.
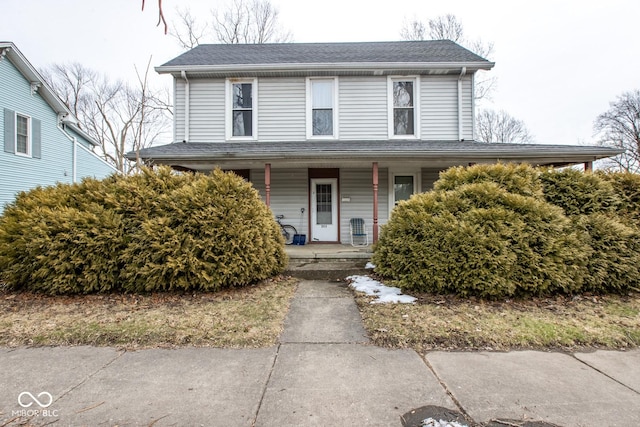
(9, 131)
(35, 138)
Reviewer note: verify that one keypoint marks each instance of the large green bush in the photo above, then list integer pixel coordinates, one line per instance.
(579, 193)
(627, 187)
(157, 230)
(480, 239)
(503, 230)
(515, 178)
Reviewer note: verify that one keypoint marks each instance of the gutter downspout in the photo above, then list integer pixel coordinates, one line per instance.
(74, 150)
(463, 71)
(187, 102)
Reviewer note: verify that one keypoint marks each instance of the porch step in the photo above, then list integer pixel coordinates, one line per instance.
(327, 262)
(325, 269)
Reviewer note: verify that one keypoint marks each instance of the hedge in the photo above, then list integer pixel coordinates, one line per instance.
(157, 230)
(480, 239)
(512, 230)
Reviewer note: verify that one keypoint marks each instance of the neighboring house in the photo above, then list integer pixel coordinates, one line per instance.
(42, 143)
(331, 131)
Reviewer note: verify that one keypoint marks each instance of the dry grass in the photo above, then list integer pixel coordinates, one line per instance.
(451, 323)
(238, 318)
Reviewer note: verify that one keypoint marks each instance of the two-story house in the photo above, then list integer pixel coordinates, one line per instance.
(42, 142)
(331, 131)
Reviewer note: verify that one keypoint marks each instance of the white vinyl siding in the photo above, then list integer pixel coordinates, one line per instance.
(356, 186)
(206, 113)
(289, 194)
(439, 106)
(467, 108)
(429, 177)
(363, 108)
(282, 109)
(178, 110)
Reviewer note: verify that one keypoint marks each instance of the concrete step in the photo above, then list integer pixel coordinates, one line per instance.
(325, 268)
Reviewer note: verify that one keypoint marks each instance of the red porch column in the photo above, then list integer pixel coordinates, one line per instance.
(267, 183)
(588, 166)
(375, 202)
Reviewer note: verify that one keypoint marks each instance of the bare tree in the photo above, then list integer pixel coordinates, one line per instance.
(241, 21)
(492, 126)
(188, 32)
(119, 116)
(413, 30)
(447, 27)
(620, 127)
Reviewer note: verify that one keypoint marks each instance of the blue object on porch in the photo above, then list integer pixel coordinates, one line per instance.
(358, 231)
(299, 239)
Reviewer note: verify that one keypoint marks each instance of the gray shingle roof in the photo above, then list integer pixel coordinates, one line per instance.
(469, 150)
(430, 51)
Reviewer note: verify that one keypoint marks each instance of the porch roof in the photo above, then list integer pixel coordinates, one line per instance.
(204, 156)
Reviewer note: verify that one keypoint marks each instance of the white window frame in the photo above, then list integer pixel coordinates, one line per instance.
(416, 106)
(309, 102)
(29, 136)
(417, 184)
(229, 109)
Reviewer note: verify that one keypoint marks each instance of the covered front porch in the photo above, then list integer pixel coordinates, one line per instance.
(320, 185)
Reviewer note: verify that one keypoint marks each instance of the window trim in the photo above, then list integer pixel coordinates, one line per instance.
(309, 109)
(416, 106)
(417, 184)
(229, 109)
(29, 135)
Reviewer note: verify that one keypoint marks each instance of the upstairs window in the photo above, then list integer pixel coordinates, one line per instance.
(403, 109)
(321, 114)
(241, 119)
(22, 135)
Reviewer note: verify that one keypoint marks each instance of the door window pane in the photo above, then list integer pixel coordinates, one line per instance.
(324, 206)
(402, 188)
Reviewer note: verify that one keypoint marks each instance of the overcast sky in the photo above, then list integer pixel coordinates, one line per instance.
(558, 63)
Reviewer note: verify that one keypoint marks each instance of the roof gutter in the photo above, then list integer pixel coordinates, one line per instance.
(342, 66)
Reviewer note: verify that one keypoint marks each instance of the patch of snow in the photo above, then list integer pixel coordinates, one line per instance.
(430, 422)
(384, 293)
(369, 266)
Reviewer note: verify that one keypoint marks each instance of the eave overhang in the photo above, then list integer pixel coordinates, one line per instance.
(434, 153)
(306, 69)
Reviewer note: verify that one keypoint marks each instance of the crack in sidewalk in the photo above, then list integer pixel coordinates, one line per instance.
(605, 374)
(266, 385)
(446, 389)
(91, 375)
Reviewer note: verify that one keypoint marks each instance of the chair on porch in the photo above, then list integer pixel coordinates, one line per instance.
(359, 233)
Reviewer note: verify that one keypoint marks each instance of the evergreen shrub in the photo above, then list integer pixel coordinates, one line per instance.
(579, 193)
(480, 239)
(153, 231)
(513, 230)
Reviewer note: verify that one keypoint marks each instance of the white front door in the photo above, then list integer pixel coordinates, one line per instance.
(324, 210)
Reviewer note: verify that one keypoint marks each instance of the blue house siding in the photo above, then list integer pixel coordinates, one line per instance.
(55, 162)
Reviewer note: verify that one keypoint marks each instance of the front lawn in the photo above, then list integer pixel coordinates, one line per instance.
(247, 317)
(454, 323)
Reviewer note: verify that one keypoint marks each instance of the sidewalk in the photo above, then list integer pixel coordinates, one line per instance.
(324, 372)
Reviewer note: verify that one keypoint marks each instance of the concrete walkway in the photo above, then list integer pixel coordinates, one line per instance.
(324, 372)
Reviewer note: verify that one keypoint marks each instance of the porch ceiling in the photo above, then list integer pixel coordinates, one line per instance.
(356, 154)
